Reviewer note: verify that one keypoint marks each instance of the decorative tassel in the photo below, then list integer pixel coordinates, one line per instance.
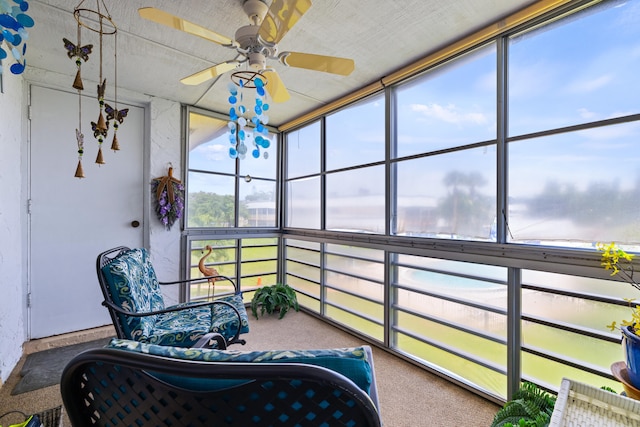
(101, 125)
(100, 159)
(114, 144)
(77, 83)
(79, 170)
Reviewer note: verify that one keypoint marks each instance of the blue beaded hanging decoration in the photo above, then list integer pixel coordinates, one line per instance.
(13, 24)
(247, 126)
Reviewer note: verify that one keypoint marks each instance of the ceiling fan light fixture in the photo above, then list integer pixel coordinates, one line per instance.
(257, 61)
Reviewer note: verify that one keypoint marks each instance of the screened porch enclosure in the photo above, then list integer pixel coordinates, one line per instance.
(451, 218)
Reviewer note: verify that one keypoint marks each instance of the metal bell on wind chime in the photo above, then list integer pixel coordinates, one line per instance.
(101, 23)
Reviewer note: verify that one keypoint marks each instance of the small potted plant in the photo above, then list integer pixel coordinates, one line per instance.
(279, 297)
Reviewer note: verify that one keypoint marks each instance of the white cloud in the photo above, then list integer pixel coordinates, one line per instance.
(449, 114)
(591, 84)
(586, 114)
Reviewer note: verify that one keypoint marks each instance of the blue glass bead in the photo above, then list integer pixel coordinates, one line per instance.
(233, 153)
(260, 128)
(8, 36)
(255, 153)
(241, 134)
(255, 120)
(232, 99)
(25, 20)
(260, 91)
(265, 107)
(232, 138)
(18, 68)
(24, 6)
(258, 139)
(258, 110)
(259, 83)
(3, 54)
(242, 109)
(8, 21)
(233, 89)
(258, 101)
(266, 143)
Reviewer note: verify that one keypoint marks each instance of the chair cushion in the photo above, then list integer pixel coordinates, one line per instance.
(134, 287)
(226, 321)
(350, 362)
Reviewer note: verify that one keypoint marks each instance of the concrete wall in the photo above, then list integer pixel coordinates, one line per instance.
(163, 146)
(12, 322)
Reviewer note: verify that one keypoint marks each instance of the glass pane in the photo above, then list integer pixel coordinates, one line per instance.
(303, 203)
(355, 251)
(578, 70)
(356, 200)
(211, 201)
(450, 106)
(303, 151)
(261, 167)
(355, 135)
(577, 188)
(257, 203)
(208, 144)
(449, 196)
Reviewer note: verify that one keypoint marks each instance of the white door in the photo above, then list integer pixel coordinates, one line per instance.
(72, 220)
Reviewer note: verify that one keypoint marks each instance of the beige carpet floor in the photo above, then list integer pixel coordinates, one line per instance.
(409, 396)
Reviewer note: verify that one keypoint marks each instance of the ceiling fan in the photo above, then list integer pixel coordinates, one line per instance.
(257, 42)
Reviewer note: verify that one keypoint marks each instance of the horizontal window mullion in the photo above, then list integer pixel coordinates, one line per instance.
(462, 301)
(571, 328)
(444, 347)
(353, 294)
(457, 326)
(355, 313)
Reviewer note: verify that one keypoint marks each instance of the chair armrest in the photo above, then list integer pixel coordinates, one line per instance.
(187, 306)
(218, 277)
(209, 339)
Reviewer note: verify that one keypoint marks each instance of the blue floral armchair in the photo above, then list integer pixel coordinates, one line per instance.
(133, 297)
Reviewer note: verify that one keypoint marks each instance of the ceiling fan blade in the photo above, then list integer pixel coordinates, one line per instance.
(281, 17)
(209, 73)
(275, 87)
(165, 18)
(328, 64)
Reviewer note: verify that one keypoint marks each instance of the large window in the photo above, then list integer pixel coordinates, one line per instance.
(574, 88)
(225, 192)
(460, 230)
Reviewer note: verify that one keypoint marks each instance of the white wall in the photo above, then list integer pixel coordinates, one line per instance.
(12, 323)
(166, 148)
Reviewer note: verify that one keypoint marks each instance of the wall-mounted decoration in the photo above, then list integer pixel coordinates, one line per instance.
(13, 24)
(169, 198)
(98, 21)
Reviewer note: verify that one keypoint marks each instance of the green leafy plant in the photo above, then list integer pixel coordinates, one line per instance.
(279, 297)
(530, 407)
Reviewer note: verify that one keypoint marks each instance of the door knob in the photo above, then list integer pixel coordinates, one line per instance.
(135, 224)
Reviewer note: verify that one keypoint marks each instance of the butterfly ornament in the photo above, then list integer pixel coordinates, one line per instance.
(118, 117)
(80, 53)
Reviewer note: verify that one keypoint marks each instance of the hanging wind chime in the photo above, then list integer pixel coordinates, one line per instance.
(99, 21)
(239, 135)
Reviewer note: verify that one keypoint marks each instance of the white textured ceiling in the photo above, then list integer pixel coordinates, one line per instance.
(380, 35)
